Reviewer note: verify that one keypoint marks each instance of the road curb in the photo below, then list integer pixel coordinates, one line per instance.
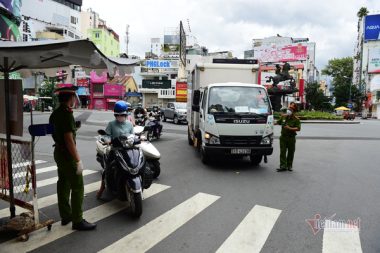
(329, 122)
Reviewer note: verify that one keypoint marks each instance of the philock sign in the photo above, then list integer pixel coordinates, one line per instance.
(372, 27)
(158, 64)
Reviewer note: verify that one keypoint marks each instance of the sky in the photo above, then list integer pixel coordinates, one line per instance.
(232, 24)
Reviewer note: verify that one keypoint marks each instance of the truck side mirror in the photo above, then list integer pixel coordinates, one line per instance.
(196, 100)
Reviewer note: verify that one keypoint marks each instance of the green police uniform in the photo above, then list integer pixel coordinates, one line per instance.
(68, 181)
(288, 141)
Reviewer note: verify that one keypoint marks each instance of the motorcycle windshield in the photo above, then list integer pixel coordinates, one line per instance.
(132, 157)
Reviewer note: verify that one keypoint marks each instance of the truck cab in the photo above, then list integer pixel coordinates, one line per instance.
(234, 119)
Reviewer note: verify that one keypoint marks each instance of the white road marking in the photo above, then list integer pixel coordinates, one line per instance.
(43, 237)
(344, 239)
(46, 182)
(158, 229)
(49, 200)
(38, 171)
(251, 234)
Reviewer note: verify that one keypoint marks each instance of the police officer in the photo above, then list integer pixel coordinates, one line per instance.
(290, 126)
(70, 167)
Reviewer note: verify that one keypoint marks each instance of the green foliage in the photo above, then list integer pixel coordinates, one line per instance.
(362, 12)
(341, 70)
(315, 97)
(313, 115)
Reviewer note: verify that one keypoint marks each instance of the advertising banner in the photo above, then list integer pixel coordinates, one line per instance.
(113, 90)
(374, 60)
(156, 84)
(181, 92)
(374, 83)
(171, 43)
(16, 107)
(82, 82)
(372, 27)
(281, 53)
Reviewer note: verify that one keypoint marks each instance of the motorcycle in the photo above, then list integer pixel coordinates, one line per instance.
(125, 173)
(140, 117)
(151, 154)
(155, 126)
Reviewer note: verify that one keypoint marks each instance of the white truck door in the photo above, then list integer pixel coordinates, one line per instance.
(203, 111)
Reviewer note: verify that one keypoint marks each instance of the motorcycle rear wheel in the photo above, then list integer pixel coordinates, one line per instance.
(156, 168)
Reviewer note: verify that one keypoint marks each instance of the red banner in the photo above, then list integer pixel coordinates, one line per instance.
(181, 92)
(82, 82)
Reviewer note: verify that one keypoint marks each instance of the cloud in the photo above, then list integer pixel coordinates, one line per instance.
(232, 24)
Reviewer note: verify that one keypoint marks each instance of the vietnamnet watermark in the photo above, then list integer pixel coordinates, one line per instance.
(328, 223)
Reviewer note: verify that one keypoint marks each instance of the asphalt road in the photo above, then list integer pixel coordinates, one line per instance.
(336, 175)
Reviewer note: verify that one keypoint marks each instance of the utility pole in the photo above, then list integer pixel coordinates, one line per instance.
(127, 38)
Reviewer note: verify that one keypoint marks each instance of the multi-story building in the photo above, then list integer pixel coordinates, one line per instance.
(298, 52)
(367, 63)
(60, 19)
(96, 30)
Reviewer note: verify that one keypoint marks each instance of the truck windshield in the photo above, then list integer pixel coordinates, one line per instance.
(237, 100)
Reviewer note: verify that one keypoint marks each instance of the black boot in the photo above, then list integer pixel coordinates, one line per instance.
(84, 225)
(64, 222)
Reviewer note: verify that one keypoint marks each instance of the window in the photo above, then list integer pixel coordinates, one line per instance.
(97, 35)
(74, 20)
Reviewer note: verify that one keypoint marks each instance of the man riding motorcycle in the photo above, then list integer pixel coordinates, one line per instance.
(116, 128)
(140, 115)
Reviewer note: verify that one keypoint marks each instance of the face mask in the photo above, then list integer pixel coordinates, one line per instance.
(121, 119)
(289, 112)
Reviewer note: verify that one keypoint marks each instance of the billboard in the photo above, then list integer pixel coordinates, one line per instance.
(372, 27)
(12, 7)
(374, 83)
(113, 90)
(281, 53)
(374, 60)
(156, 84)
(181, 92)
(171, 43)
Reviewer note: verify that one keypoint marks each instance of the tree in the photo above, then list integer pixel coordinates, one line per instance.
(341, 70)
(315, 97)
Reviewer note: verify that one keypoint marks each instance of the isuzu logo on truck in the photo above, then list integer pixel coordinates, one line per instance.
(242, 121)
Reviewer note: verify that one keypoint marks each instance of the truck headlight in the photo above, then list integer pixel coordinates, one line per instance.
(267, 140)
(212, 139)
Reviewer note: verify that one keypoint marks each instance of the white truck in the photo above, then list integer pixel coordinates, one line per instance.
(229, 114)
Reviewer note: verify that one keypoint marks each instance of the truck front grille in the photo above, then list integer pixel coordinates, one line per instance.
(236, 141)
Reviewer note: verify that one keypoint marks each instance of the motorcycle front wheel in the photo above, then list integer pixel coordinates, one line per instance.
(135, 202)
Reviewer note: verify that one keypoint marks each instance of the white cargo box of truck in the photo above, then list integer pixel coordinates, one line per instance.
(229, 114)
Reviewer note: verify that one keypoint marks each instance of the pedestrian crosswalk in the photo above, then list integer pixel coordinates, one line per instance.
(249, 235)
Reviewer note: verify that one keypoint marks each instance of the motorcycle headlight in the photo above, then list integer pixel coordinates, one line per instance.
(212, 139)
(267, 140)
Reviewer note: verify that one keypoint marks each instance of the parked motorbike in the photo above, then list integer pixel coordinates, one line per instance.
(155, 126)
(151, 154)
(125, 173)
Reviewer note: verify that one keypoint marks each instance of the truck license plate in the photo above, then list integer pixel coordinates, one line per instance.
(240, 151)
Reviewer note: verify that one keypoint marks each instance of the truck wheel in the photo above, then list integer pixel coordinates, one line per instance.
(256, 159)
(164, 118)
(191, 142)
(205, 158)
(175, 120)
